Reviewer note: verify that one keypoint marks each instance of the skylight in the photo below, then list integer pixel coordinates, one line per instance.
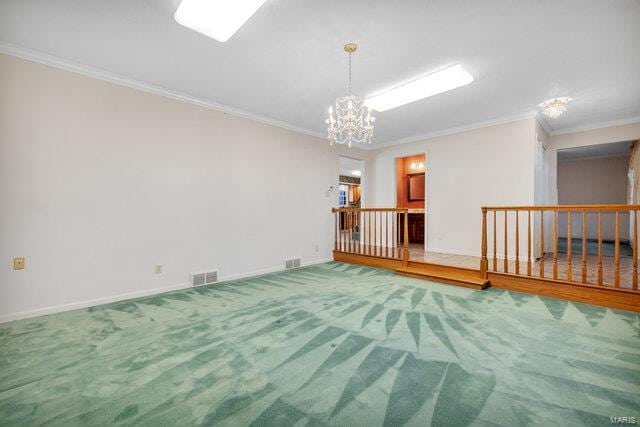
(429, 85)
(218, 19)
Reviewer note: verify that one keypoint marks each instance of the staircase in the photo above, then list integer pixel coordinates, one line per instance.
(459, 276)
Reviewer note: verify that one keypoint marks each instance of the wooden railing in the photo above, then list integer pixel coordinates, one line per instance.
(524, 233)
(372, 231)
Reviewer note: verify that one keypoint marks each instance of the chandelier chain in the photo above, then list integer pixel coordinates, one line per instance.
(349, 73)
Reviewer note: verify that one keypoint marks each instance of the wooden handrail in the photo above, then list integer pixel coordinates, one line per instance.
(550, 208)
(399, 210)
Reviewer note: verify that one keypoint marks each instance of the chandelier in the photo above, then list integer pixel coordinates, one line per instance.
(555, 107)
(352, 122)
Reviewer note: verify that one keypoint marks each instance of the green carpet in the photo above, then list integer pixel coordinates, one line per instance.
(333, 344)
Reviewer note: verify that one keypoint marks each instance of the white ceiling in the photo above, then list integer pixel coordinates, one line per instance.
(286, 63)
(616, 149)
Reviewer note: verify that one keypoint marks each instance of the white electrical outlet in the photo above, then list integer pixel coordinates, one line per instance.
(158, 269)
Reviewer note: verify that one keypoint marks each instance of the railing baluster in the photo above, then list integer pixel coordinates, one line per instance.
(363, 233)
(394, 241)
(375, 236)
(635, 249)
(541, 243)
(397, 228)
(528, 243)
(354, 227)
(353, 231)
(495, 243)
(335, 230)
(381, 243)
(584, 247)
(343, 230)
(391, 251)
(616, 276)
(569, 244)
(379, 234)
(369, 231)
(360, 231)
(339, 230)
(349, 235)
(600, 248)
(517, 243)
(380, 222)
(555, 245)
(359, 221)
(356, 234)
(506, 261)
(386, 233)
(346, 231)
(382, 235)
(405, 250)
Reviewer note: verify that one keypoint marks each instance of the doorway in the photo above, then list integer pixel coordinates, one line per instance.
(350, 180)
(594, 175)
(411, 190)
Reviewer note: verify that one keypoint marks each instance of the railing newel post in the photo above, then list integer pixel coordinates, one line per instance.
(484, 262)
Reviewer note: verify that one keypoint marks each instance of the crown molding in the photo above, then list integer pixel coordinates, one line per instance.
(542, 120)
(600, 125)
(454, 130)
(67, 65)
(74, 67)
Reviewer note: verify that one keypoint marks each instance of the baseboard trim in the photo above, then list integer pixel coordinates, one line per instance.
(233, 277)
(500, 256)
(88, 303)
(454, 252)
(138, 294)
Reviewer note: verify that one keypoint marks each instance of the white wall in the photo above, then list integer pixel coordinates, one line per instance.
(482, 167)
(100, 182)
(593, 181)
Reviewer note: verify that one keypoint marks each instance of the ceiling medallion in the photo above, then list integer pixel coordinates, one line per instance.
(352, 122)
(555, 107)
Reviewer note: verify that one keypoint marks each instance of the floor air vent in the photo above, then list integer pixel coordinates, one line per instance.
(203, 278)
(292, 263)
